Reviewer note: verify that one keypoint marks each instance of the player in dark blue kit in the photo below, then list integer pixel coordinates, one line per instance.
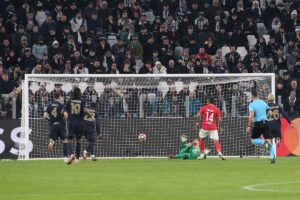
(89, 131)
(75, 109)
(55, 114)
(274, 119)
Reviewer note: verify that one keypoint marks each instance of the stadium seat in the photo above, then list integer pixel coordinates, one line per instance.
(251, 40)
(267, 38)
(261, 29)
(34, 87)
(242, 51)
(112, 39)
(82, 86)
(163, 87)
(178, 52)
(225, 50)
(67, 87)
(99, 87)
(50, 87)
(193, 86)
(179, 85)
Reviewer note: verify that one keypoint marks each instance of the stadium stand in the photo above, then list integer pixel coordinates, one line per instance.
(123, 36)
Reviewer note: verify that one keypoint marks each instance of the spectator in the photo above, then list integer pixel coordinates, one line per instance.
(287, 81)
(261, 47)
(200, 21)
(280, 61)
(113, 69)
(136, 48)
(119, 48)
(11, 60)
(58, 62)
(17, 74)
(232, 59)
(290, 47)
(94, 22)
(77, 22)
(272, 47)
(62, 23)
(281, 92)
(219, 56)
(218, 68)
(58, 89)
(194, 104)
(222, 37)
(38, 69)
(296, 70)
(127, 69)
(292, 59)
(7, 92)
(147, 68)
(269, 67)
(83, 31)
(215, 24)
(295, 87)
(7, 89)
(238, 38)
(67, 68)
(28, 61)
(210, 47)
(97, 68)
(240, 104)
(90, 95)
(159, 68)
(233, 23)
(81, 35)
(39, 49)
(291, 105)
(160, 106)
(81, 68)
(180, 68)
(11, 24)
(41, 100)
(251, 57)
(203, 55)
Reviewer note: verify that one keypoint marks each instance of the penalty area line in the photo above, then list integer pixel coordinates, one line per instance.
(258, 187)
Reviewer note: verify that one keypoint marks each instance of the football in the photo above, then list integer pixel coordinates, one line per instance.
(142, 137)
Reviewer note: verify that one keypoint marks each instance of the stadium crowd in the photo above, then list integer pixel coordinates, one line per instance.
(149, 37)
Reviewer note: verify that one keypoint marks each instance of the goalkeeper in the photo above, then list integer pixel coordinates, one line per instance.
(188, 150)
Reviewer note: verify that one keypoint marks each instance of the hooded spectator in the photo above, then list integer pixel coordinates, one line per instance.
(159, 68)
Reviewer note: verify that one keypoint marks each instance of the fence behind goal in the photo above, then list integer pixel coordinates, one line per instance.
(163, 107)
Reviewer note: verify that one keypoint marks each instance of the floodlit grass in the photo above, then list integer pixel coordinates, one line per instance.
(151, 179)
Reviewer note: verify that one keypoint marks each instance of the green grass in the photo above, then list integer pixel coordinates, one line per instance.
(150, 179)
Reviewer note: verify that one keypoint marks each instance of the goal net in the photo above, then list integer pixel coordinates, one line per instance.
(162, 107)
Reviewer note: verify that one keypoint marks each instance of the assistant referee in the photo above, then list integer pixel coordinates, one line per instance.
(258, 121)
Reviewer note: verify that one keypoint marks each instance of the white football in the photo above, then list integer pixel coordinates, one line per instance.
(142, 137)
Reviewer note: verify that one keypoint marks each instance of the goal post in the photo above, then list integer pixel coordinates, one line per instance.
(161, 106)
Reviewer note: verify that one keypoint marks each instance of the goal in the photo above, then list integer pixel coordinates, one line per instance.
(161, 106)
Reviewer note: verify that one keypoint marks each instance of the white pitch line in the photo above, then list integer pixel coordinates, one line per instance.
(256, 188)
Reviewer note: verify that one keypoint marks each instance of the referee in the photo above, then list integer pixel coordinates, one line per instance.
(258, 120)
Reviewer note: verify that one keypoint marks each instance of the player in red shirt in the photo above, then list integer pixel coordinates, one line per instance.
(210, 113)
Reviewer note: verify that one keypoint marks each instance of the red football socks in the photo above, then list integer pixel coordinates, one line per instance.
(218, 147)
(201, 146)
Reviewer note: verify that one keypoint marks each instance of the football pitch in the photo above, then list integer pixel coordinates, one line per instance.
(151, 179)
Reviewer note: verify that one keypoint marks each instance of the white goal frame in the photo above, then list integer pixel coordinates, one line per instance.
(24, 142)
